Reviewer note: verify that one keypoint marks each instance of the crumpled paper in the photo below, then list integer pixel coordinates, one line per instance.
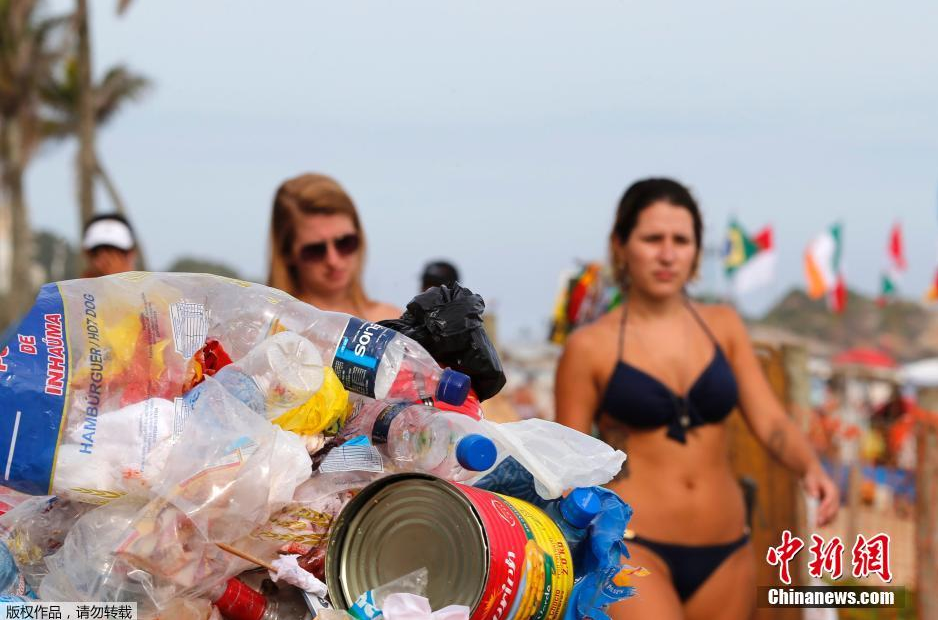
(289, 570)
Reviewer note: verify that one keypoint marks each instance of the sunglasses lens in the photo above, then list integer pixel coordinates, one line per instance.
(347, 245)
(313, 252)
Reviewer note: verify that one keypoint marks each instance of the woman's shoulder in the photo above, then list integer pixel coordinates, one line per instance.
(722, 314)
(380, 311)
(595, 335)
(723, 320)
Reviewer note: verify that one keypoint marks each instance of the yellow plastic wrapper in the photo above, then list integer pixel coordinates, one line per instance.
(325, 411)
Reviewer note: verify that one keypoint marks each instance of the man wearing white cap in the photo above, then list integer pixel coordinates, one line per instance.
(109, 245)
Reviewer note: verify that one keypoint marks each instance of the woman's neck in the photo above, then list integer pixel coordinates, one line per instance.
(644, 307)
(337, 302)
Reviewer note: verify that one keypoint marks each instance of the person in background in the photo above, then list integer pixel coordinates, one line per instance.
(438, 273)
(109, 244)
(659, 374)
(317, 248)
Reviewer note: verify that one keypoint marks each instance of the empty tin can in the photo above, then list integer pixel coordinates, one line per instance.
(500, 556)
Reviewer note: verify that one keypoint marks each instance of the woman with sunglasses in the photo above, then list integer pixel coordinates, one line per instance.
(318, 248)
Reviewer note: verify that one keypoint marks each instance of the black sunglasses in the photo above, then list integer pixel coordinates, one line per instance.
(344, 245)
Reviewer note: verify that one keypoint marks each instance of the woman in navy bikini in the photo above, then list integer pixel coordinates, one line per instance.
(659, 375)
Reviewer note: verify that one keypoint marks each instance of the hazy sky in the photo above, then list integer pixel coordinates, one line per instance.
(502, 134)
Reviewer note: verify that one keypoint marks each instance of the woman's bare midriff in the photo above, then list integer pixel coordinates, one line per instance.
(680, 493)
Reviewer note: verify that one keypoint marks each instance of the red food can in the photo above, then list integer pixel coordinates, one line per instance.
(502, 557)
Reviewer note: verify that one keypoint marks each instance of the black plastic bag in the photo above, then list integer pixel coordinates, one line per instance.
(447, 322)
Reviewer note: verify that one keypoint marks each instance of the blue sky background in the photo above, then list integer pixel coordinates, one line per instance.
(502, 134)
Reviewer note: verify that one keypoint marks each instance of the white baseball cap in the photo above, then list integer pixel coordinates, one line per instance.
(109, 231)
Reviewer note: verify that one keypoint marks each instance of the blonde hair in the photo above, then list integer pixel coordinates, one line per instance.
(309, 194)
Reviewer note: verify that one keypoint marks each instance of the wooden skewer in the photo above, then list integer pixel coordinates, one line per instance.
(245, 556)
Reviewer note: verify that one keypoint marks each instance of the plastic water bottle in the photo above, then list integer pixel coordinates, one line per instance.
(372, 360)
(573, 514)
(280, 373)
(421, 438)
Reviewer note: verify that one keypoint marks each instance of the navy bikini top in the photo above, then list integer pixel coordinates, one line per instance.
(637, 399)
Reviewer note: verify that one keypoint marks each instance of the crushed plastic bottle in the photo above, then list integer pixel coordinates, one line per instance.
(421, 438)
(280, 373)
(372, 360)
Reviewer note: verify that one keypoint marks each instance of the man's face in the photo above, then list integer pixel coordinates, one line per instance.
(107, 260)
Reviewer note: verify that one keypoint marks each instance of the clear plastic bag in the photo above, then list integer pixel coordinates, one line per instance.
(233, 467)
(230, 473)
(559, 458)
(302, 526)
(35, 529)
(369, 604)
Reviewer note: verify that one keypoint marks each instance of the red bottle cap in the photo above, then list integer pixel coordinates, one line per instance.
(241, 602)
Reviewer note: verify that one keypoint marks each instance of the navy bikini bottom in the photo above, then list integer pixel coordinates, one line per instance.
(690, 565)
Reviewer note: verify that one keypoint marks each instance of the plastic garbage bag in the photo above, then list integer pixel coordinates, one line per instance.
(603, 578)
(447, 321)
(606, 546)
(556, 456)
(509, 477)
(593, 594)
(89, 348)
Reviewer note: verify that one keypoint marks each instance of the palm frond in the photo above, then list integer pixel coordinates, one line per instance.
(118, 87)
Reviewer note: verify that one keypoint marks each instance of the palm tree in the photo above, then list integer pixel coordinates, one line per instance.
(63, 96)
(30, 47)
(86, 105)
(85, 113)
(92, 105)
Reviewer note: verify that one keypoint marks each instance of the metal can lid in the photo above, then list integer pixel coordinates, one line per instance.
(403, 523)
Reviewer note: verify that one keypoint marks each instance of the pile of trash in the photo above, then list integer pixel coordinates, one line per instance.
(196, 444)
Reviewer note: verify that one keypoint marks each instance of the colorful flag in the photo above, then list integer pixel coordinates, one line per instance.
(585, 295)
(823, 268)
(932, 294)
(749, 262)
(896, 264)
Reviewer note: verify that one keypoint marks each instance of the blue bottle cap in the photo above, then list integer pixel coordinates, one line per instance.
(453, 388)
(476, 452)
(580, 507)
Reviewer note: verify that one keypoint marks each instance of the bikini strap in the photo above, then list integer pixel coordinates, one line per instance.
(621, 335)
(701, 322)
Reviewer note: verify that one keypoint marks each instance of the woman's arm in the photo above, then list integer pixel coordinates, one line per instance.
(576, 396)
(771, 424)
